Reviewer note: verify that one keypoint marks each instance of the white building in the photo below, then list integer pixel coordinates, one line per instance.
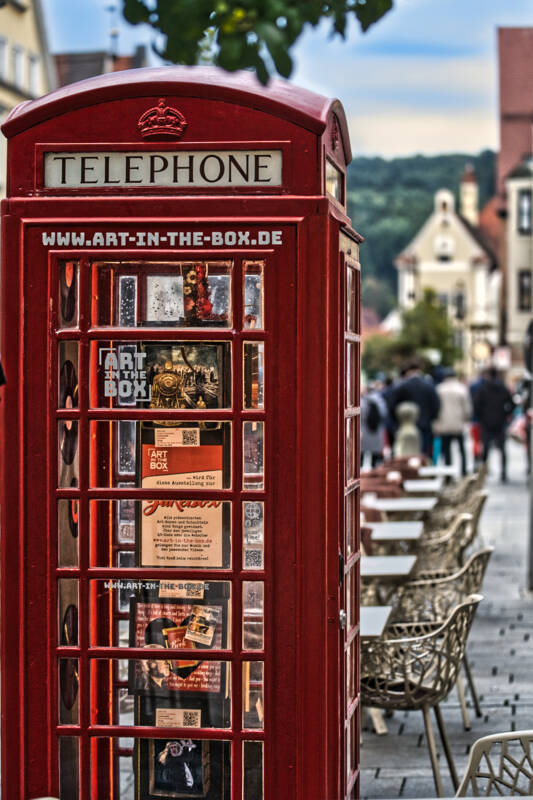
(450, 255)
(26, 69)
(519, 256)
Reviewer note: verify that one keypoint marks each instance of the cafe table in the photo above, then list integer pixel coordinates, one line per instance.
(385, 532)
(405, 507)
(423, 485)
(373, 620)
(437, 471)
(387, 568)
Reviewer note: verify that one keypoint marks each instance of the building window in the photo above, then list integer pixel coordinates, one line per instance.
(17, 56)
(524, 290)
(524, 211)
(442, 297)
(34, 75)
(459, 302)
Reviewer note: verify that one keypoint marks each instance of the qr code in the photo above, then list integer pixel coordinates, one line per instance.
(253, 559)
(191, 719)
(190, 437)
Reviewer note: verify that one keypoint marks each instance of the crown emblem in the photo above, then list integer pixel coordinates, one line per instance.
(162, 122)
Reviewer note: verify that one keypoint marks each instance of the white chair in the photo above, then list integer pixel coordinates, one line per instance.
(499, 765)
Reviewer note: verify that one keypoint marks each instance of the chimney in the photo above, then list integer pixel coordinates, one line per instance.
(469, 194)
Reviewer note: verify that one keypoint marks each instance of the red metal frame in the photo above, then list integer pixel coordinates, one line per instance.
(305, 703)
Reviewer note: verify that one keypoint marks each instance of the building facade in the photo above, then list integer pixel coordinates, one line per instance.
(26, 68)
(450, 255)
(515, 185)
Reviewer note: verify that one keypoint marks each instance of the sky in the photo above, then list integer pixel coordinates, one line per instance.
(422, 80)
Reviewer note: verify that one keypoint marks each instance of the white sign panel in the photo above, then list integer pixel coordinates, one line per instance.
(199, 168)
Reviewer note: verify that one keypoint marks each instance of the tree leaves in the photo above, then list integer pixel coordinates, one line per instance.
(256, 34)
(370, 11)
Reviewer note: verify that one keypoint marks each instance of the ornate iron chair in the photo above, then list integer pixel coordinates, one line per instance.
(415, 668)
(501, 764)
(445, 551)
(432, 596)
(441, 516)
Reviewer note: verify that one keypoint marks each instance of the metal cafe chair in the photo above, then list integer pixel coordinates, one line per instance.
(499, 765)
(439, 518)
(432, 596)
(445, 551)
(415, 668)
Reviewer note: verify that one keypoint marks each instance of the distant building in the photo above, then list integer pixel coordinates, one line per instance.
(26, 68)
(72, 67)
(519, 243)
(451, 255)
(515, 185)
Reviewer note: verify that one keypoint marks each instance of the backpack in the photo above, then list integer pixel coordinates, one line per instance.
(373, 416)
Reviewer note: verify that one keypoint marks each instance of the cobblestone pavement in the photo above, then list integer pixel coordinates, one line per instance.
(500, 649)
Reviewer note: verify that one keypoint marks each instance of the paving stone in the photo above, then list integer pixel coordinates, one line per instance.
(500, 652)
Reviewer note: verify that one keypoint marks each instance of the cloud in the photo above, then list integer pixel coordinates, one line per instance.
(394, 132)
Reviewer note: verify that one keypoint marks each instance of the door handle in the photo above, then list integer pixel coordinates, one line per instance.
(343, 619)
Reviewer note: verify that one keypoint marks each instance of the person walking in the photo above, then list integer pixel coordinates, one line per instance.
(455, 410)
(373, 414)
(493, 406)
(418, 389)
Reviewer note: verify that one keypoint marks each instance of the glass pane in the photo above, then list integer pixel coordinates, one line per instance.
(253, 621)
(252, 768)
(351, 462)
(67, 531)
(68, 691)
(253, 368)
(334, 181)
(253, 537)
(125, 517)
(253, 702)
(192, 534)
(68, 375)
(253, 294)
(177, 613)
(69, 768)
(253, 455)
(352, 300)
(354, 743)
(162, 375)
(177, 455)
(352, 658)
(164, 768)
(68, 459)
(127, 301)
(162, 692)
(352, 373)
(351, 522)
(68, 612)
(173, 294)
(68, 294)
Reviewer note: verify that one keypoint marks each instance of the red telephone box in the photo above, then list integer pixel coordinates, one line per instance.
(180, 335)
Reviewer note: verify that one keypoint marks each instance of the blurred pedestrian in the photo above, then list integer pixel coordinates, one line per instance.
(418, 389)
(391, 425)
(455, 410)
(373, 415)
(475, 427)
(493, 406)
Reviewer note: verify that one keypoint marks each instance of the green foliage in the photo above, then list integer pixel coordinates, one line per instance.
(425, 327)
(379, 355)
(389, 200)
(256, 34)
(378, 295)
